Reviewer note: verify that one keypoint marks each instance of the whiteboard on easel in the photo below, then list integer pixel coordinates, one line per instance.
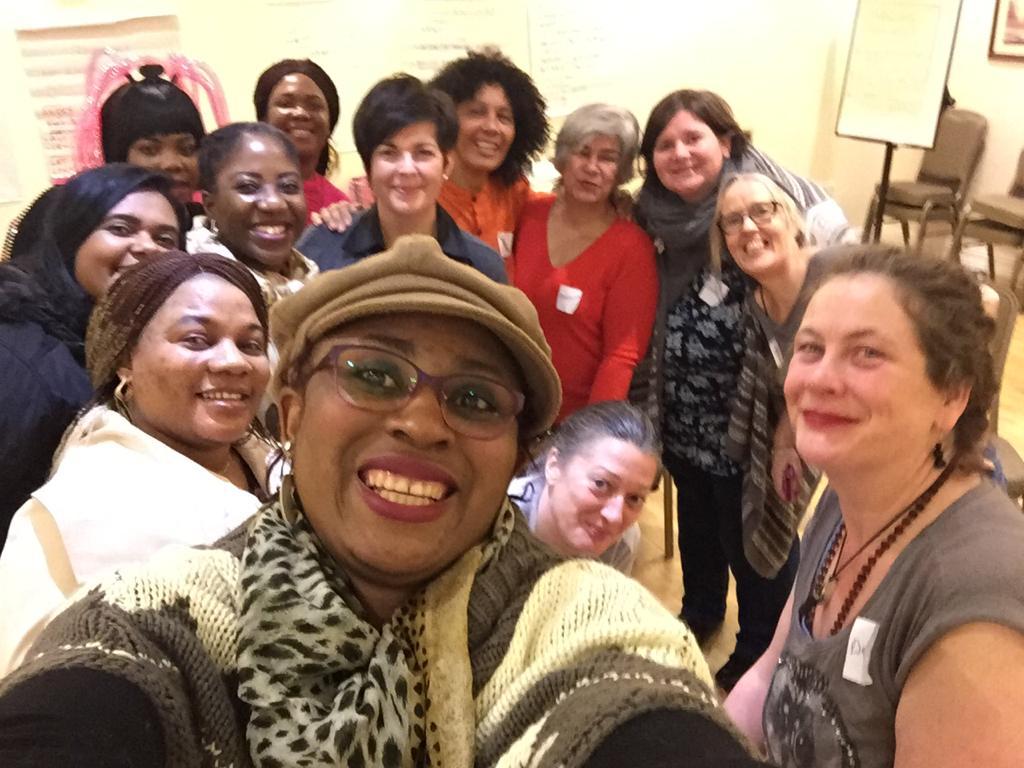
(896, 71)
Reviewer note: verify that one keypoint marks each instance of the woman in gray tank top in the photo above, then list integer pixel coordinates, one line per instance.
(903, 641)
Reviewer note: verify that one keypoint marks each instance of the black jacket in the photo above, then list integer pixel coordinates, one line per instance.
(42, 387)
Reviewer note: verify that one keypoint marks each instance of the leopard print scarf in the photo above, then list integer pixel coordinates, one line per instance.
(324, 686)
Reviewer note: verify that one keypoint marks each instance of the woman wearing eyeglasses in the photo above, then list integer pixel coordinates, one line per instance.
(761, 230)
(692, 142)
(390, 607)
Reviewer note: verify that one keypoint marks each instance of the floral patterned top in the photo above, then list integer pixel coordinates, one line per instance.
(703, 352)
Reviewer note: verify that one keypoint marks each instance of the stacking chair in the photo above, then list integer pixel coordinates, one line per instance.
(1012, 464)
(942, 181)
(995, 220)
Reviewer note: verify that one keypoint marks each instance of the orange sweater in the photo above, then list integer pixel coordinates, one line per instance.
(494, 209)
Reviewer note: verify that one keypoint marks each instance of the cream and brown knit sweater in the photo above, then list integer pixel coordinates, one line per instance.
(560, 654)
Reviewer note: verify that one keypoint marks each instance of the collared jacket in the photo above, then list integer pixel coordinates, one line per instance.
(334, 250)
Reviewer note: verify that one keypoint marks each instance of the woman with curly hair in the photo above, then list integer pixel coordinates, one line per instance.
(502, 128)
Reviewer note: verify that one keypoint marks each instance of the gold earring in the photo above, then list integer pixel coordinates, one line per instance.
(121, 396)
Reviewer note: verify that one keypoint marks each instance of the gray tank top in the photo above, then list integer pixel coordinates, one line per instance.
(967, 566)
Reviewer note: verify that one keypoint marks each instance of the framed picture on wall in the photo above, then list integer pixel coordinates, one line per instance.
(1008, 31)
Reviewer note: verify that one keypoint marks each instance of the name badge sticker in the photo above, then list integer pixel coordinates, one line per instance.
(714, 291)
(568, 300)
(858, 651)
(505, 240)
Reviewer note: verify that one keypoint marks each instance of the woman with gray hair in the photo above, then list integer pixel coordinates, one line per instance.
(589, 273)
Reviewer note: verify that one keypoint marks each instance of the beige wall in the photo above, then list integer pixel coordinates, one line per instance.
(780, 64)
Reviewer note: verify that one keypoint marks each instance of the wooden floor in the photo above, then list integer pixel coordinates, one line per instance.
(663, 577)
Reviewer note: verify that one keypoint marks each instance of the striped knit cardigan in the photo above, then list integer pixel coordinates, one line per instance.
(561, 653)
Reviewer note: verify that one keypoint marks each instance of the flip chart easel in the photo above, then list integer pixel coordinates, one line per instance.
(896, 72)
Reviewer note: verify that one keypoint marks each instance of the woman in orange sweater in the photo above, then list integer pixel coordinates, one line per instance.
(502, 128)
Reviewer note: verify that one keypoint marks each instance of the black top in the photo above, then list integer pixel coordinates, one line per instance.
(91, 719)
(334, 250)
(42, 387)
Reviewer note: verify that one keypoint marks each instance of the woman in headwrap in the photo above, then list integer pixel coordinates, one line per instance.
(177, 354)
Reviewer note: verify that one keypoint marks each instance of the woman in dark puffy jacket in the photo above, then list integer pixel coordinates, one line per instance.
(102, 221)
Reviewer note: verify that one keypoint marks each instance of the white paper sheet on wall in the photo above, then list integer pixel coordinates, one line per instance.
(441, 30)
(304, 29)
(899, 58)
(571, 53)
(55, 60)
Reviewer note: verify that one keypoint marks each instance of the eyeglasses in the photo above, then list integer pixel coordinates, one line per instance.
(759, 213)
(375, 379)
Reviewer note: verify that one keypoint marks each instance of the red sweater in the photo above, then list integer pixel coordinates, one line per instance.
(319, 194)
(597, 311)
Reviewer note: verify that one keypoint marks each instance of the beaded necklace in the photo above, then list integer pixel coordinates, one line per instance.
(824, 587)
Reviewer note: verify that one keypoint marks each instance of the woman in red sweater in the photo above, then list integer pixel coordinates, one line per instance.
(590, 273)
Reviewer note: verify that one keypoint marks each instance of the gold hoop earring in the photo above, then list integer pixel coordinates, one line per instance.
(121, 397)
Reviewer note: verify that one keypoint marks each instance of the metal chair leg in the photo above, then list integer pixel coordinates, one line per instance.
(1017, 265)
(956, 248)
(869, 222)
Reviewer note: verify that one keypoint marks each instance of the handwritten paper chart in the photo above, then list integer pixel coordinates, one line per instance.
(55, 61)
(570, 54)
(899, 59)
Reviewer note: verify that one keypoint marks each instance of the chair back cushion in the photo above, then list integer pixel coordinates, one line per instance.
(958, 147)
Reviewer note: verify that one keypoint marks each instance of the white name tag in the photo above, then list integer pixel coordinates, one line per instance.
(569, 298)
(773, 345)
(858, 651)
(714, 291)
(505, 240)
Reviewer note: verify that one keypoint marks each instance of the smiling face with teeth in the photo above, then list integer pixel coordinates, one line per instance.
(688, 156)
(763, 250)
(258, 203)
(397, 497)
(487, 128)
(591, 497)
(199, 369)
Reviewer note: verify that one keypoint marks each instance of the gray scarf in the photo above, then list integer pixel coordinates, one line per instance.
(680, 228)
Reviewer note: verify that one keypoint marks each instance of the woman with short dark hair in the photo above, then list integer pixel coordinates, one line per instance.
(404, 133)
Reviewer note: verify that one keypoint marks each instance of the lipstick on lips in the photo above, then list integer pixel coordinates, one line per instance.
(824, 419)
(405, 488)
